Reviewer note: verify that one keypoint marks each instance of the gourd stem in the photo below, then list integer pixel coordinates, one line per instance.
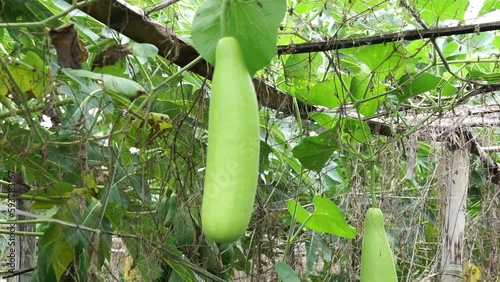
(291, 234)
(372, 186)
(224, 9)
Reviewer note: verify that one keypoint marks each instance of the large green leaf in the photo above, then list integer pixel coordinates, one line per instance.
(484, 39)
(147, 260)
(419, 49)
(382, 58)
(490, 77)
(315, 151)
(30, 75)
(489, 6)
(57, 249)
(434, 11)
(349, 130)
(63, 255)
(361, 5)
(179, 268)
(118, 87)
(285, 272)
(54, 258)
(423, 83)
(362, 88)
(144, 50)
(327, 217)
(355, 131)
(254, 23)
(302, 67)
(92, 214)
(330, 93)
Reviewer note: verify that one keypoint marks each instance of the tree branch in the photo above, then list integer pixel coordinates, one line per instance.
(135, 24)
(409, 35)
(138, 26)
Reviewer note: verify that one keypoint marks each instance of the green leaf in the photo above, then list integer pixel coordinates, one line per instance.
(30, 76)
(360, 6)
(147, 261)
(254, 23)
(434, 11)
(348, 130)
(141, 187)
(484, 39)
(174, 277)
(355, 131)
(265, 150)
(112, 84)
(314, 152)
(179, 268)
(304, 7)
(350, 64)
(327, 217)
(326, 120)
(63, 255)
(53, 260)
(301, 214)
(489, 77)
(302, 67)
(56, 250)
(382, 58)
(489, 6)
(362, 87)
(185, 230)
(312, 252)
(92, 213)
(285, 272)
(450, 49)
(419, 49)
(330, 93)
(423, 83)
(144, 50)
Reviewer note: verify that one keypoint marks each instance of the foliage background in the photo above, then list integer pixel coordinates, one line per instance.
(105, 158)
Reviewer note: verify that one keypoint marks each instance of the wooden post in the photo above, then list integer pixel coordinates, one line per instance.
(455, 209)
(25, 246)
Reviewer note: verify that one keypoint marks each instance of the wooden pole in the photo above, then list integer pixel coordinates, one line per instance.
(455, 209)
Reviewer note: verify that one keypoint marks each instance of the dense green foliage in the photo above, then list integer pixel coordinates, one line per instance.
(117, 145)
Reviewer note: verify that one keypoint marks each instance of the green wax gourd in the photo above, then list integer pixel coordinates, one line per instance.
(377, 264)
(233, 147)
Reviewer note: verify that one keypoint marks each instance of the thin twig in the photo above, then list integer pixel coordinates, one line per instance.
(75, 5)
(162, 6)
(409, 35)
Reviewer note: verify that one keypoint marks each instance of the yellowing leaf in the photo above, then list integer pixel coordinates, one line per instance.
(30, 75)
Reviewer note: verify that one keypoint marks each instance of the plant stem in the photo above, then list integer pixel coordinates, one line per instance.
(372, 186)
(40, 107)
(297, 110)
(74, 6)
(32, 198)
(224, 9)
(291, 233)
(22, 233)
(29, 221)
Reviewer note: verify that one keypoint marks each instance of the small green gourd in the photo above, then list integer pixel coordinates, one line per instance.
(377, 264)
